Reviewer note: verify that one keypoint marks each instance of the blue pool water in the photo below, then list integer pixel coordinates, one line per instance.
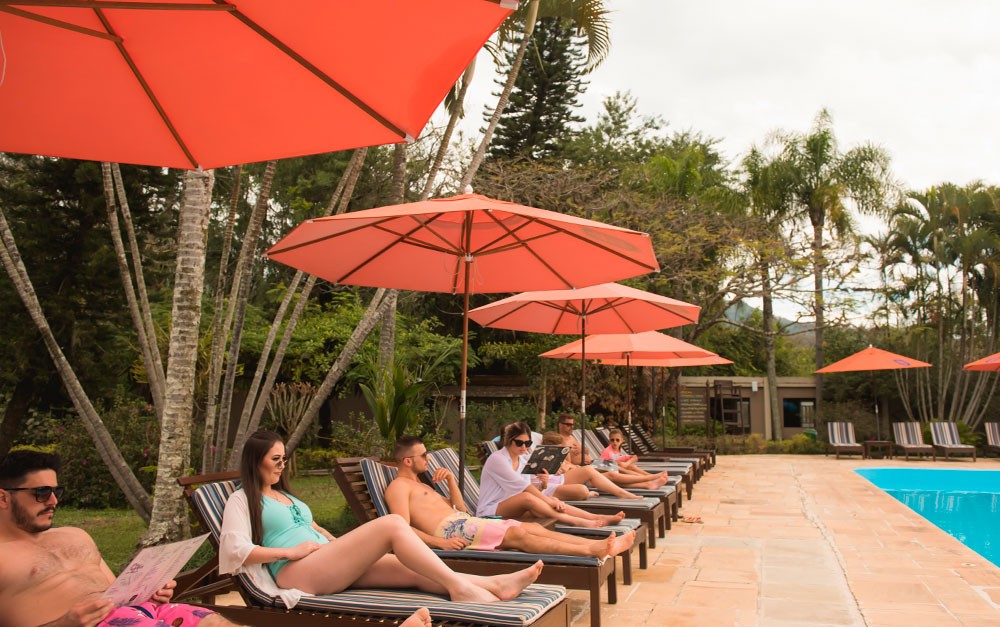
(964, 503)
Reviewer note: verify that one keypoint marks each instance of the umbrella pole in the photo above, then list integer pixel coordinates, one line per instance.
(628, 385)
(465, 365)
(583, 386)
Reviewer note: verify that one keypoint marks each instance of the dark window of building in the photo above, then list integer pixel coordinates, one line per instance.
(799, 412)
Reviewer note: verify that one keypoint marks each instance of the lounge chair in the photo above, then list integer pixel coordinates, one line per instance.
(944, 435)
(644, 445)
(910, 438)
(679, 470)
(448, 458)
(539, 605)
(992, 437)
(842, 439)
(576, 573)
(650, 510)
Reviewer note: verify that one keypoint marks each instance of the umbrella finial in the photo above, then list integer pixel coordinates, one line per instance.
(467, 190)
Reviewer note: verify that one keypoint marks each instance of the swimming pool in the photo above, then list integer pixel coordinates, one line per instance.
(964, 503)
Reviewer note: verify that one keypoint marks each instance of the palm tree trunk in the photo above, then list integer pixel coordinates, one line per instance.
(770, 333)
(110, 455)
(480, 154)
(170, 518)
(375, 311)
(147, 342)
(239, 296)
(818, 222)
(218, 339)
(456, 112)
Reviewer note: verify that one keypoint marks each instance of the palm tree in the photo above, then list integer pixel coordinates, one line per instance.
(824, 181)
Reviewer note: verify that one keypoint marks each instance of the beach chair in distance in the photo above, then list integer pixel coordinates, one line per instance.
(643, 442)
(649, 510)
(842, 439)
(992, 437)
(944, 436)
(910, 439)
(448, 458)
(576, 573)
(538, 605)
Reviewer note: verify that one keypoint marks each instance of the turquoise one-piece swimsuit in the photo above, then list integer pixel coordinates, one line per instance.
(286, 526)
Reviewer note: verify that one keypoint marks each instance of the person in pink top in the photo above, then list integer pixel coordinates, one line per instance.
(627, 464)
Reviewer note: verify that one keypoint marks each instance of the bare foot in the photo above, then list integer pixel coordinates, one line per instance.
(629, 495)
(507, 587)
(621, 543)
(420, 618)
(472, 593)
(593, 495)
(611, 520)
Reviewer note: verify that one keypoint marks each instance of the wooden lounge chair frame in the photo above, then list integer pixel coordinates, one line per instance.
(688, 476)
(910, 439)
(349, 476)
(255, 615)
(843, 443)
(698, 460)
(951, 444)
(638, 433)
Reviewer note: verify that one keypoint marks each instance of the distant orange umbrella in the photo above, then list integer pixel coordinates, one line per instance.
(873, 359)
(650, 345)
(986, 364)
(208, 83)
(463, 245)
(606, 308)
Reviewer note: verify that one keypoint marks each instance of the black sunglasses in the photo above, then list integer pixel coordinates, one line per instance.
(524, 443)
(567, 424)
(42, 493)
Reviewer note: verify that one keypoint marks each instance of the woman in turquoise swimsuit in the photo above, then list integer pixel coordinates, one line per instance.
(264, 524)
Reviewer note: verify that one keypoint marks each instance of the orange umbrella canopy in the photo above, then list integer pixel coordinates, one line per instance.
(989, 364)
(873, 358)
(605, 308)
(209, 83)
(643, 346)
(464, 244)
(677, 362)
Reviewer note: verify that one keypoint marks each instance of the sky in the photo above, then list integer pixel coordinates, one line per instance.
(918, 77)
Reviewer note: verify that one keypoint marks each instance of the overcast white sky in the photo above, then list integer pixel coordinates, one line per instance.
(919, 77)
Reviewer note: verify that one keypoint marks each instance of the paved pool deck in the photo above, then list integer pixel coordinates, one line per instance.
(803, 540)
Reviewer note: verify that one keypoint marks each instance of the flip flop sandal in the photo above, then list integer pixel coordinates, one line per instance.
(692, 520)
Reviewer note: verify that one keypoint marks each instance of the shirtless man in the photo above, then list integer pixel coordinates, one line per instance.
(447, 525)
(582, 458)
(56, 577)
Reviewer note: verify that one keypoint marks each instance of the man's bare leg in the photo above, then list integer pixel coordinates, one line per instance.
(585, 474)
(537, 539)
(602, 520)
(524, 504)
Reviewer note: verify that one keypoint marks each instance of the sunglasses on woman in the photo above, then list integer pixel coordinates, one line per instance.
(524, 443)
(42, 493)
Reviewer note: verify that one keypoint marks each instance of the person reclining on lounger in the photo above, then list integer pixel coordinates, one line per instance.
(263, 523)
(614, 451)
(448, 525)
(506, 491)
(56, 577)
(580, 457)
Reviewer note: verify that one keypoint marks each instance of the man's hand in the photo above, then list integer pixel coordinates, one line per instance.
(86, 614)
(164, 594)
(452, 544)
(442, 474)
(299, 551)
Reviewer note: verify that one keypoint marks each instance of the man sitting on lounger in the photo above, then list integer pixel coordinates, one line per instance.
(447, 525)
(582, 458)
(56, 577)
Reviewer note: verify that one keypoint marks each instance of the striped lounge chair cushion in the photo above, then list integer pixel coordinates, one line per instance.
(841, 433)
(448, 458)
(993, 433)
(908, 434)
(594, 447)
(946, 434)
(210, 500)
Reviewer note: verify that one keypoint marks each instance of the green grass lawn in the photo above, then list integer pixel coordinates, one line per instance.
(117, 531)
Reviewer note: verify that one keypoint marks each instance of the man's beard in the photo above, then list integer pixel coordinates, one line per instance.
(26, 521)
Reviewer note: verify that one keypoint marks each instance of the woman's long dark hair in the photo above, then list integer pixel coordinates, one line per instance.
(254, 452)
(513, 430)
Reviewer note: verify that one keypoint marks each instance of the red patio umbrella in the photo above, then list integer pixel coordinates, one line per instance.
(986, 364)
(463, 245)
(612, 349)
(873, 359)
(607, 308)
(209, 83)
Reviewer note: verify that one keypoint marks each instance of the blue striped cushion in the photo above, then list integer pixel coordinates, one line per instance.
(448, 458)
(993, 433)
(210, 500)
(946, 434)
(841, 433)
(909, 434)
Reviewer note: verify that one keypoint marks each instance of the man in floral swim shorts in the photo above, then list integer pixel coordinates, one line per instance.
(55, 577)
(447, 525)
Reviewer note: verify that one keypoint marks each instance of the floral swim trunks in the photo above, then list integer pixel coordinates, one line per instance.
(155, 615)
(482, 534)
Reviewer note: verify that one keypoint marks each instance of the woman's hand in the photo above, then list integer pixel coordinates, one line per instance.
(299, 551)
(543, 479)
(556, 504)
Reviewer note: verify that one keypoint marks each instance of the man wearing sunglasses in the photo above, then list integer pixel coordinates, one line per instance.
(445, 524)
(55, 577)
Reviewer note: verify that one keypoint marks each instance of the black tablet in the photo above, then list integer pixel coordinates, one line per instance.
(548, 458)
